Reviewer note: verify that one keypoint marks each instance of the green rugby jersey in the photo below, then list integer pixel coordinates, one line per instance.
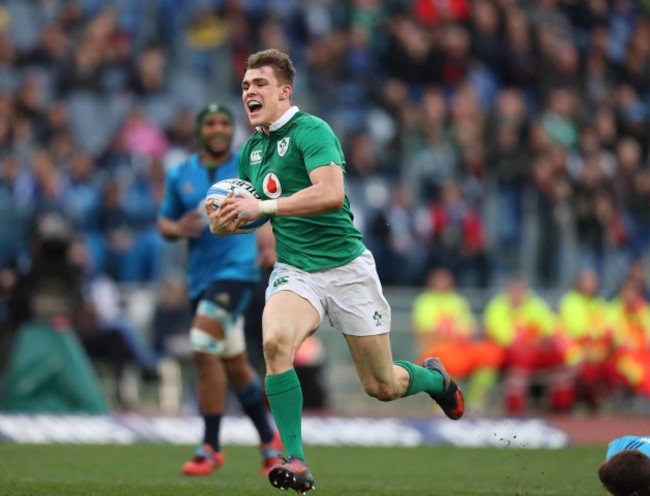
(279, 165)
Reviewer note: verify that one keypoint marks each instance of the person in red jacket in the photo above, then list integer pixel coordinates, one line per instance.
(630, 321)
(524, 325)
(457, 237)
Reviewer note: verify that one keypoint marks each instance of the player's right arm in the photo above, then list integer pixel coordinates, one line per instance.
(173, 221)
(190, 225)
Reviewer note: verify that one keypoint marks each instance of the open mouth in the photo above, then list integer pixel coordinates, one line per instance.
(254, 106)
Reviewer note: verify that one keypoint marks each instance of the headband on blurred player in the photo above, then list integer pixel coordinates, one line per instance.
(211, 109)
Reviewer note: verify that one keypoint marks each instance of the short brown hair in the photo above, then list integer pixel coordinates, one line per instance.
(277, 60)
(626, 472)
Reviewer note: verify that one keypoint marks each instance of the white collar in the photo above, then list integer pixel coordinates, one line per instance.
(284, 118)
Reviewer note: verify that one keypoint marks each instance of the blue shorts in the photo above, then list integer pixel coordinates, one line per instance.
(231, 295)
(224, 302)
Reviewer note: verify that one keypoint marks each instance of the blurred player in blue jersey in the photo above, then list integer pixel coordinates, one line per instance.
(222, 274)
(627, 469)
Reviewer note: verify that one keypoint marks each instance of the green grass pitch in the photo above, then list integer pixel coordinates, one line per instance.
(150, 469)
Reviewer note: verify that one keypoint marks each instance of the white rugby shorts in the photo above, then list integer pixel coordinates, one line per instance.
(350, 295)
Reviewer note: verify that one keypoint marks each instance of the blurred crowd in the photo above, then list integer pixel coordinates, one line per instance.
(490, 138)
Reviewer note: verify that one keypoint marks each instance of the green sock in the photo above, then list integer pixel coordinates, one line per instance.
(422, 380)
(285, 399)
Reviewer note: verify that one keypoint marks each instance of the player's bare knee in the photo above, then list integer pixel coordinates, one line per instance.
(276, 341)
(274, 349)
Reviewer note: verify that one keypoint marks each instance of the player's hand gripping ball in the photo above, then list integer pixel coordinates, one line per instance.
(240, 188)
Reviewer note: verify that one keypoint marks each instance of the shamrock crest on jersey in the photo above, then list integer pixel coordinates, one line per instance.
(283, 146)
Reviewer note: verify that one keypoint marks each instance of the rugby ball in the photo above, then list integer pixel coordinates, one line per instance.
(219, 190)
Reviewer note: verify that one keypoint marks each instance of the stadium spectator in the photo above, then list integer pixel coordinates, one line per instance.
(453, 54)
(180, 136)
(431, 13)
(551, 192)
(82, 205)
(51, 51)
(637, 273)
(16, 209)
(147, 78)
(133, 247)
(599, 224)
(638, 207)
(520, 61)
(523, 325)
(84, 71)
(393, 235)
(142, 137)
(55, 121)
(444, 326)
(485, 37)
(433, 161)
(509, 169)
(50, 183)
(630, 321)
(584, 323)
(558, 118)
(109, 334)
(172, 317)
(457, 239)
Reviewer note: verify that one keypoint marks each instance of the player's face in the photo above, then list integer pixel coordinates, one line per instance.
(265, 98)
(216, 134)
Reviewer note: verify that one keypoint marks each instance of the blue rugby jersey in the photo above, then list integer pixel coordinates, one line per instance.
(641, 443)
(211, 258)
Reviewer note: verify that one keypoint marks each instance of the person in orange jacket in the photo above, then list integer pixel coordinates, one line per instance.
(630, 320)
(584, 323)
(443, 325)
(523, 325)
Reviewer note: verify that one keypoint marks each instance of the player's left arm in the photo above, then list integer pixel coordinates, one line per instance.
(324, 162)
(326, 194)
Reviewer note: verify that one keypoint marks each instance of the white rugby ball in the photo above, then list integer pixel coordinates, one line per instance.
(219, 190)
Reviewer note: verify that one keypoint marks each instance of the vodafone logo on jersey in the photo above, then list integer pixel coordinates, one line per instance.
(271, 186)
